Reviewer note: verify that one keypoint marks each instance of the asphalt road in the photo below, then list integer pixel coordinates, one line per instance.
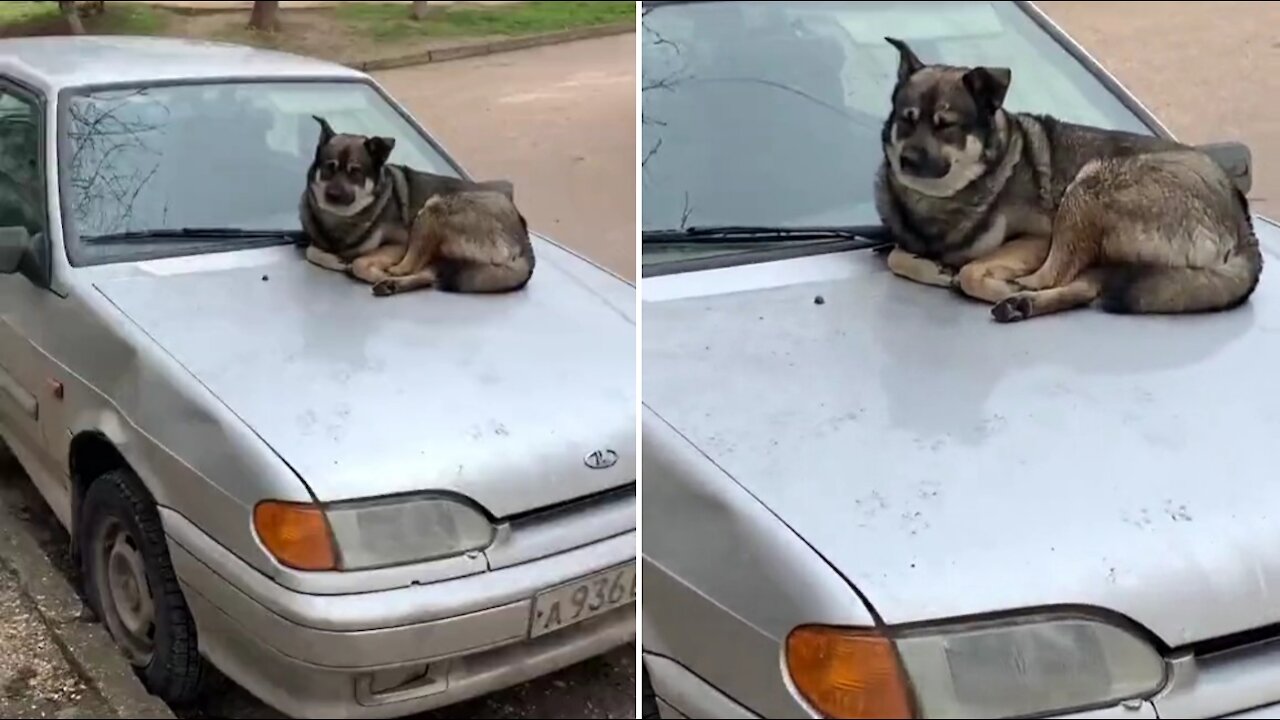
(559, 121)
(1204, 68)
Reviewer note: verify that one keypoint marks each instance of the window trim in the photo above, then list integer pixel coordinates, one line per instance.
(41, 252)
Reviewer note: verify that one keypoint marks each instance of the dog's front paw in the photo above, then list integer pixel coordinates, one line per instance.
(383, 288)
(1012, 309)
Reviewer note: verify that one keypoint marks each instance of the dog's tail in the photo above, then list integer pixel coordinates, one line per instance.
(1226, 285)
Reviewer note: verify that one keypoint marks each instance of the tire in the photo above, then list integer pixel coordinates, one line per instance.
(122, 548)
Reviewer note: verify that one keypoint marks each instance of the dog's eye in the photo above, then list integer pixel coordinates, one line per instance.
(355, 171)
(330, 167)
(911, 115)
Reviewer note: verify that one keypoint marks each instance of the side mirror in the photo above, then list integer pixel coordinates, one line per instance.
(15, 243)
(1235, 158)
(502, 186)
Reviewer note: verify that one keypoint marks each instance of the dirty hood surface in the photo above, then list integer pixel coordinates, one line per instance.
(498, 397)
(947, 465)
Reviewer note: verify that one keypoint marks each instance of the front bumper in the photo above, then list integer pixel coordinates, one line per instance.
(389, 653)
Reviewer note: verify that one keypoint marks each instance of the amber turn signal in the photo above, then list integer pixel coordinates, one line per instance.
(847, 673)
(296, 534)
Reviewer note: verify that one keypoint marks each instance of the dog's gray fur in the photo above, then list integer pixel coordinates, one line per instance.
(1163, 224)
(357, 202)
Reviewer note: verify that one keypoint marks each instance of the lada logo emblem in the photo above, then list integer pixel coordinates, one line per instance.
(601, 459)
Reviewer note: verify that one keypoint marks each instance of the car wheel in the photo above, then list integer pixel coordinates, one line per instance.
(131, 586)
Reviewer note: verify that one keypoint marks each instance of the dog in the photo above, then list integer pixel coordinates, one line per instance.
(399, 229)
(1036, 215)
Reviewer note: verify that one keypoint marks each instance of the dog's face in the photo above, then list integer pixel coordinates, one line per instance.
(344, 175)
(945, 128)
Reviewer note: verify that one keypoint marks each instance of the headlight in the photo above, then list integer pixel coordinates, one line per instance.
(1014, 668)
(370, 533)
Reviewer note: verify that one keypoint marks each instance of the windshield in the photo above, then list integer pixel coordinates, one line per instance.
(229, 156)
(769, 113)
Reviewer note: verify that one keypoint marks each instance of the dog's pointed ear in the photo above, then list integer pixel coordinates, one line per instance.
(379, 149)
(326, 131)
(908, 63)
(988, 85)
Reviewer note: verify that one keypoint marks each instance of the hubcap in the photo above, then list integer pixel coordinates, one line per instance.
(126, 595)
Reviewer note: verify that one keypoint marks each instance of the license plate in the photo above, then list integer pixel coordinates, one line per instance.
(583, 599)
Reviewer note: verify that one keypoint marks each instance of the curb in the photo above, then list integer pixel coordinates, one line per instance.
(492, 47)
(86, 646)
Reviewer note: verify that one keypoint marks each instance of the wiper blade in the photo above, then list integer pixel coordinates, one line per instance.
(868, 234)
(191, 233)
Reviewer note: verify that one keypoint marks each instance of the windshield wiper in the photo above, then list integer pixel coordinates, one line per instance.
(865, 235)
(189, 234)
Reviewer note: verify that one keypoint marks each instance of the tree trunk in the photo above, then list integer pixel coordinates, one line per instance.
(264, 16)
(69, 11)
(419, 9)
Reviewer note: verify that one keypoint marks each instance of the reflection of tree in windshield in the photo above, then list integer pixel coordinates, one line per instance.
(104, 134)
(746, 117)
(647, 83)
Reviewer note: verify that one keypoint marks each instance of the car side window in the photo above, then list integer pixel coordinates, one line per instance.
(22, 187)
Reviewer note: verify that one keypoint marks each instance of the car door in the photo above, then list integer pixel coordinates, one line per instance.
(29, 392)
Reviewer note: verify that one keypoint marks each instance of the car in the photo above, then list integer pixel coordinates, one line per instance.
(352, 506)
(863, 497)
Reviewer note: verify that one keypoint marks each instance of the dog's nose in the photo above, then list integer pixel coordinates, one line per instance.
(913, 159)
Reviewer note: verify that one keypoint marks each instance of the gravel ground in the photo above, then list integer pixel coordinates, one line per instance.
(35, 679)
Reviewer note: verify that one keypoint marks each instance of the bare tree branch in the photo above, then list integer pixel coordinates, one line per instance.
(652, 151)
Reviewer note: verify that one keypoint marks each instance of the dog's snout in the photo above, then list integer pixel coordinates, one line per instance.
(337, 195)
(919, 162)
(913, 159)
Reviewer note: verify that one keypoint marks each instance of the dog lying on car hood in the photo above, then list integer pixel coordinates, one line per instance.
(400, 229)
(1039, 216)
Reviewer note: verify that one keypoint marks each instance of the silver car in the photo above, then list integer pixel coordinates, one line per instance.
(862, 497)
(353, 506)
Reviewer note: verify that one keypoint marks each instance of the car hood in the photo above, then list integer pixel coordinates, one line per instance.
(948, 465)
(498, 397)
